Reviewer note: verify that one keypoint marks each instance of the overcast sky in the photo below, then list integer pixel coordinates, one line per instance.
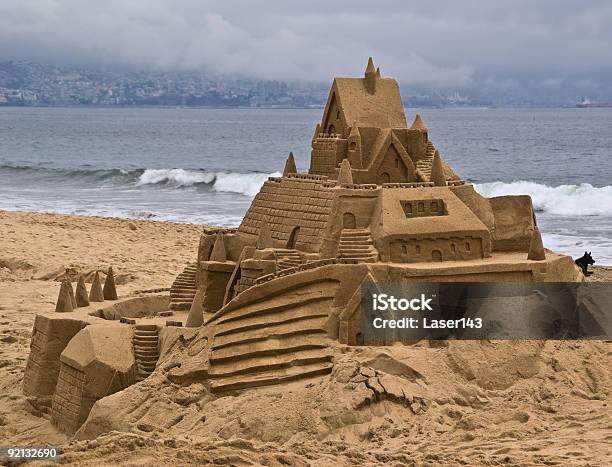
(441, 43)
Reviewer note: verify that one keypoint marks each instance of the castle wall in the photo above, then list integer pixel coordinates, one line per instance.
(415, 250)
(288, 202)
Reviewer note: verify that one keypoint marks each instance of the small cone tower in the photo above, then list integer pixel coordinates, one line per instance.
(290, 167)
(110, 290)
(195, 319)
(536, 247)
(370, 77)
(95, 293)
(71, 292)
(81, 293)
(437, 171)
(218, 251)
(345, 176)
(64, 302)
(418, 124)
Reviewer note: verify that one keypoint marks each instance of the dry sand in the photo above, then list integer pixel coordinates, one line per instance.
(457, 403)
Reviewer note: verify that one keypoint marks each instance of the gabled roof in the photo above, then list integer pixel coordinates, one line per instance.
(382, 109)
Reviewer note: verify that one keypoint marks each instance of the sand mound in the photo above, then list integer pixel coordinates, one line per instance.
(448, 403)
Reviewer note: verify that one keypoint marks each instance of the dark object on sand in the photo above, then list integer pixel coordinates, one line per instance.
(584, 262)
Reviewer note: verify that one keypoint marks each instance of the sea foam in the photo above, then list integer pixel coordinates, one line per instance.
(564, 200)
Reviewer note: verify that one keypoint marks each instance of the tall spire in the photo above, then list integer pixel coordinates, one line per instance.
(345, 176)
(378, 72)
(370, 77)
(290, 167)
(437, 171)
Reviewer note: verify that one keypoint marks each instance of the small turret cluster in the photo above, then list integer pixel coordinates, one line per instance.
(68, 301)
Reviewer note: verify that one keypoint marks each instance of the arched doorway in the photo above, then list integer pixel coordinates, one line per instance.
(383, 178)
(348, 220)
(293, 238)
(436, 255)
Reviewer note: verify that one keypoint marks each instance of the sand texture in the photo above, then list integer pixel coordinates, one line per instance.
(447, 403)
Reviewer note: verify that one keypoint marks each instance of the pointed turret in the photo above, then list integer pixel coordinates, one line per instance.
(378, 72)
(81, 292)
(71, 292)
(354, 146)
(64, 302)
(110, 290)
(345, 176)
(418, 124)
(195, 318)
(536, 247)
(370, 77)
(218, 252)
(95, 293)
(290, 167)
(265, 237)
(437, 171)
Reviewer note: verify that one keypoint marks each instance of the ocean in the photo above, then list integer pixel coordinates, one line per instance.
(205, 165)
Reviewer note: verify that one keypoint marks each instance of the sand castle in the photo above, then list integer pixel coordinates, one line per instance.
(276, 294)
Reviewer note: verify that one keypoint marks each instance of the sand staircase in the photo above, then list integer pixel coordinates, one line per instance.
(357, 244)
(423, 165)
(146, 351)
(184, 289)
(272, 342)
(286, 259)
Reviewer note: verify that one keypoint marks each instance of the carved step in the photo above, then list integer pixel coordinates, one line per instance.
(265, 346)
(271, 376)
(258, 364)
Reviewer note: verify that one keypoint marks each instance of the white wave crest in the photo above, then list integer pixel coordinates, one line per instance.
(177, 177)
(246, 184)
(569, 200)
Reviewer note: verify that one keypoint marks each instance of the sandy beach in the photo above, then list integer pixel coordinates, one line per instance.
(551, 405)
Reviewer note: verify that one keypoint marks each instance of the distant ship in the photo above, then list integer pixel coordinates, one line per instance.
(588, 104)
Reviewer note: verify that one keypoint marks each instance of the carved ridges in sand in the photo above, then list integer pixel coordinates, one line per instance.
(286, 258)
(357, 244)
(146, 349)
(288, 202)
(273, 340)
(70, 406)
(184, 288)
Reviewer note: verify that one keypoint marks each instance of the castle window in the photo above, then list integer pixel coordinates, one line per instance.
(404, 249)
(467, 246)
(418, 249)
(397, 163)
(434, 206)
(338, 114)
(421, 207)
(408, 208)
(453, 248)
(352, 146)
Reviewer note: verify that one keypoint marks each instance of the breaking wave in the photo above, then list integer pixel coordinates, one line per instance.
(569, 200)
(247, 184)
